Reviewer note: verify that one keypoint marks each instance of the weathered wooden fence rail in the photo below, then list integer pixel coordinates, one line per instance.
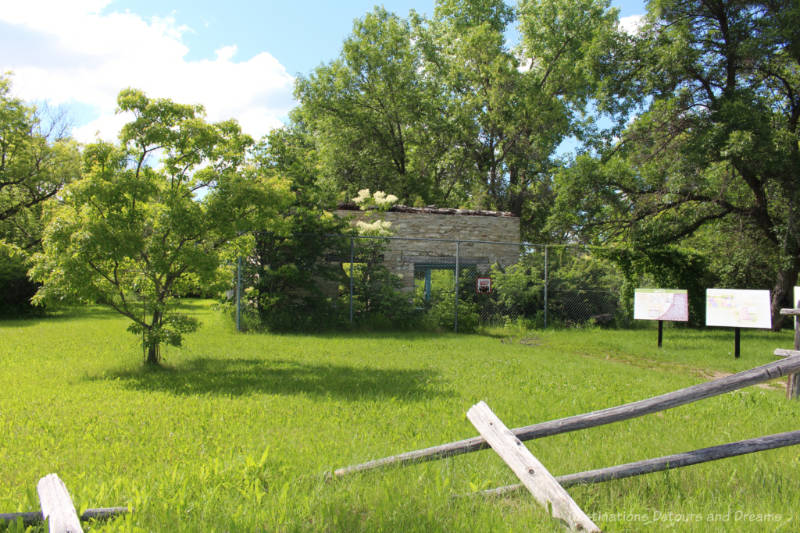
(58, 509)
(30, 518)
(668, 462)
(619, 413)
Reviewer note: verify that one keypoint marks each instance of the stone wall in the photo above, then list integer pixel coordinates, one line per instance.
(440, 225)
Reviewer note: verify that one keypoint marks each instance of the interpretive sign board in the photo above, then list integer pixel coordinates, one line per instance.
(661, 304)
(738, 308)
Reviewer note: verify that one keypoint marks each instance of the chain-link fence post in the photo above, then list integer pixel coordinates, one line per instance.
(455, 310)
(239, 294)
(144, 319)
(545, 285)
(352, 258)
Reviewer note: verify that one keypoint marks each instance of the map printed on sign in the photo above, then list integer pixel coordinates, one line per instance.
(737, 308)
(661, 304)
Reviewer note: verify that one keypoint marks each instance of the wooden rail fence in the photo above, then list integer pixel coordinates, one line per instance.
(627, 411)
(550, 491)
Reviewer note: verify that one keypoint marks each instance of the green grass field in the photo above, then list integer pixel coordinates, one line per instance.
(237, 431)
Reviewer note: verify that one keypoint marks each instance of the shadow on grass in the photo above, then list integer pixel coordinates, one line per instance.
(724, 334)
(92, 312)
(401, 335)
(191, 304)
(237, 377)
(83, 312)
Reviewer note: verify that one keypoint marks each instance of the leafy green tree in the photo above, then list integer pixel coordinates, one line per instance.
(465, 55)
(36, 161)
(717, 148)
(292, 274)
(378, 300)
(151, 216)
(365, 109)
(511, 108)
(667, 267)
(443, 111)
(581, 285)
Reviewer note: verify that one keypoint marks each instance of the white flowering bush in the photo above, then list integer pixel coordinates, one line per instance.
(378, 301)
(363, 197)
(380, 200)
(376, 228)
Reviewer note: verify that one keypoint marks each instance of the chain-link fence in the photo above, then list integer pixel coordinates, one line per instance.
(440, 284)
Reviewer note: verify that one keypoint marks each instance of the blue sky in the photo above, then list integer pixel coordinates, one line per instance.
(237, 58)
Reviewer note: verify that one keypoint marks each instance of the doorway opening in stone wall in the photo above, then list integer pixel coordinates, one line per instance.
(436, 291)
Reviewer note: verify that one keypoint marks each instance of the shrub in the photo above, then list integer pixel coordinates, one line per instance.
(16, 290)
(378, 301)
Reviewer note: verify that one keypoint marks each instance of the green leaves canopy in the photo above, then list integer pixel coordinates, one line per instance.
(36, 161)
(714, 158)
(443, 111)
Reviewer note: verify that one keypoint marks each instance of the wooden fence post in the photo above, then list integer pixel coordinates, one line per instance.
(533, 474)
(793, 381)
(57, 506)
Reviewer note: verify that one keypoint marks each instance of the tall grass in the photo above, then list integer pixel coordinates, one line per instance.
(237, 431)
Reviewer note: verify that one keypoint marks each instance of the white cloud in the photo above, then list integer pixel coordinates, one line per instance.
(74, 52)
(631, 24)
(105, 127)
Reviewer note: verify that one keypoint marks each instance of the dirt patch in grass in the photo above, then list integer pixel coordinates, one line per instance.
(526, 341)
(679, 368)
(777, 384)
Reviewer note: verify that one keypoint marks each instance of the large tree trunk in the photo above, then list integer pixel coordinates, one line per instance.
(515, 193)
(782, 292)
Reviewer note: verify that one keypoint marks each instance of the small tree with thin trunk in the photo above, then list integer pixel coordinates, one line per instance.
(151, 217)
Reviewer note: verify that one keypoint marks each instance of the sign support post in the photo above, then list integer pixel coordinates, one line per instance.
(660, 332)
(738, 308)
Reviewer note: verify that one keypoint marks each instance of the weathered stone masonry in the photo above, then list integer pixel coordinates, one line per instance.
(403, 257)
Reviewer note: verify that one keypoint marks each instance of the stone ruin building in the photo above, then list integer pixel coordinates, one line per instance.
(424, 239)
